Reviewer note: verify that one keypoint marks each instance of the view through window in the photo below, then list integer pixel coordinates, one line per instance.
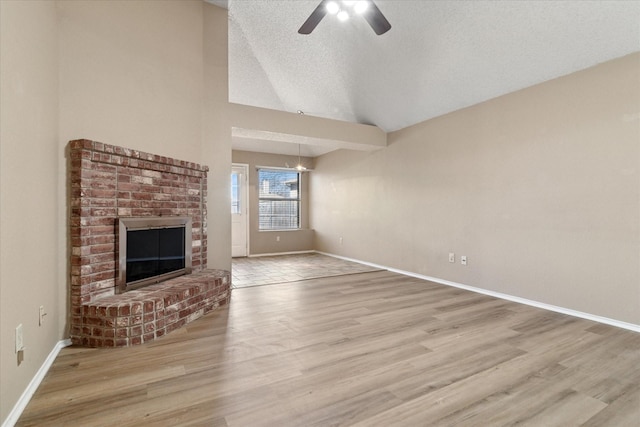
(279, 199)
(235, 193)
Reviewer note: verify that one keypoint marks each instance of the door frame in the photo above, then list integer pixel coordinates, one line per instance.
(244, 189)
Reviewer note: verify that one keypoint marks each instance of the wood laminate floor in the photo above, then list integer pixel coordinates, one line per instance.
(370, 349)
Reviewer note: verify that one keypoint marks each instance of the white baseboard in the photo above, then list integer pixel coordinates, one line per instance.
(600, 319)
(282, 253)
(26, 396)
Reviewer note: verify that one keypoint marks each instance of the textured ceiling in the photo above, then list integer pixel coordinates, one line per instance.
(439, 56)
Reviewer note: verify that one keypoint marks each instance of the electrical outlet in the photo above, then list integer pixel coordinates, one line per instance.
(340, 240)
(452, 257)
(19, 338)
(42, 314)
(277, 238)
(463, 260)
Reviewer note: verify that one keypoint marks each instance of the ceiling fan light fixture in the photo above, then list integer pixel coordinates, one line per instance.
(361, 7)
(366, 8)
(343, 15)
(333, 7)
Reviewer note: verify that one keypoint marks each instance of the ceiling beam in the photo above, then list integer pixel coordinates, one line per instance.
(279, 126)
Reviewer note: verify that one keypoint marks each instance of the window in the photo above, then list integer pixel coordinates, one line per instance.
(235, 193)
(279, 199)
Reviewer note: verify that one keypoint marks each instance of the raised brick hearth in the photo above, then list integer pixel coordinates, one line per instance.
(108, 182)
(141, 315)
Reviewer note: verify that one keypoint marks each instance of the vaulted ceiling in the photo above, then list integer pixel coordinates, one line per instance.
(438, 57)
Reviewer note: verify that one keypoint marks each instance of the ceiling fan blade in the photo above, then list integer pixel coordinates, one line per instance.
(314, 19)
(376, 19)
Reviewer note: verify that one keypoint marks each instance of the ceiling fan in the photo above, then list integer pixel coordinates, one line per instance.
(343, 10)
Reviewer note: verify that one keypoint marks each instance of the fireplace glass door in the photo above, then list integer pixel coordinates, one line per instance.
(154, 252)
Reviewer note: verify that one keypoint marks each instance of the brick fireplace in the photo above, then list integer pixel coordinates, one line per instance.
(108, 182)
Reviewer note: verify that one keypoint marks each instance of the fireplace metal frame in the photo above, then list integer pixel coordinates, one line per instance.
(145, 223)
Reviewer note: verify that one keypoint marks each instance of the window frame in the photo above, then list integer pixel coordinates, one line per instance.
(275, 198)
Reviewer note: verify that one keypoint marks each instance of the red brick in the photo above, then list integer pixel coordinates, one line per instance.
(101, 240)
(171, 318)
(124, 310)
(136, 308)
(100, 267)
(102, 249)
(129, 203)
(186, 312)
(124, 186)
(100, 284)
(106, 211)
(137, 195)
(148, 307)
(93, 321)
(109, 221)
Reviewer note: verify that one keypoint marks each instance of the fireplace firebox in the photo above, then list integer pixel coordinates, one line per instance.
(152, 249)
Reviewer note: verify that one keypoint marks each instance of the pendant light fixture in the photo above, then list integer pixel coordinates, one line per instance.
(299, 167)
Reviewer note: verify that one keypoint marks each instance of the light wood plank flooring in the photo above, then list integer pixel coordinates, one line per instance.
(370, 349)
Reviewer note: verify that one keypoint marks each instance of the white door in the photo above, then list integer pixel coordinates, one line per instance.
(239, 210)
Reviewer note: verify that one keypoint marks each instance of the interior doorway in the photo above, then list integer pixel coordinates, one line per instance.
(239, 210)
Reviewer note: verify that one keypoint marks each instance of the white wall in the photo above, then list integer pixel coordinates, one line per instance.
(131, 74)
(539, 188)
(28, 198)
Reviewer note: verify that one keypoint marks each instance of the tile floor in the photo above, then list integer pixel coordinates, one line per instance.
(269, 270)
